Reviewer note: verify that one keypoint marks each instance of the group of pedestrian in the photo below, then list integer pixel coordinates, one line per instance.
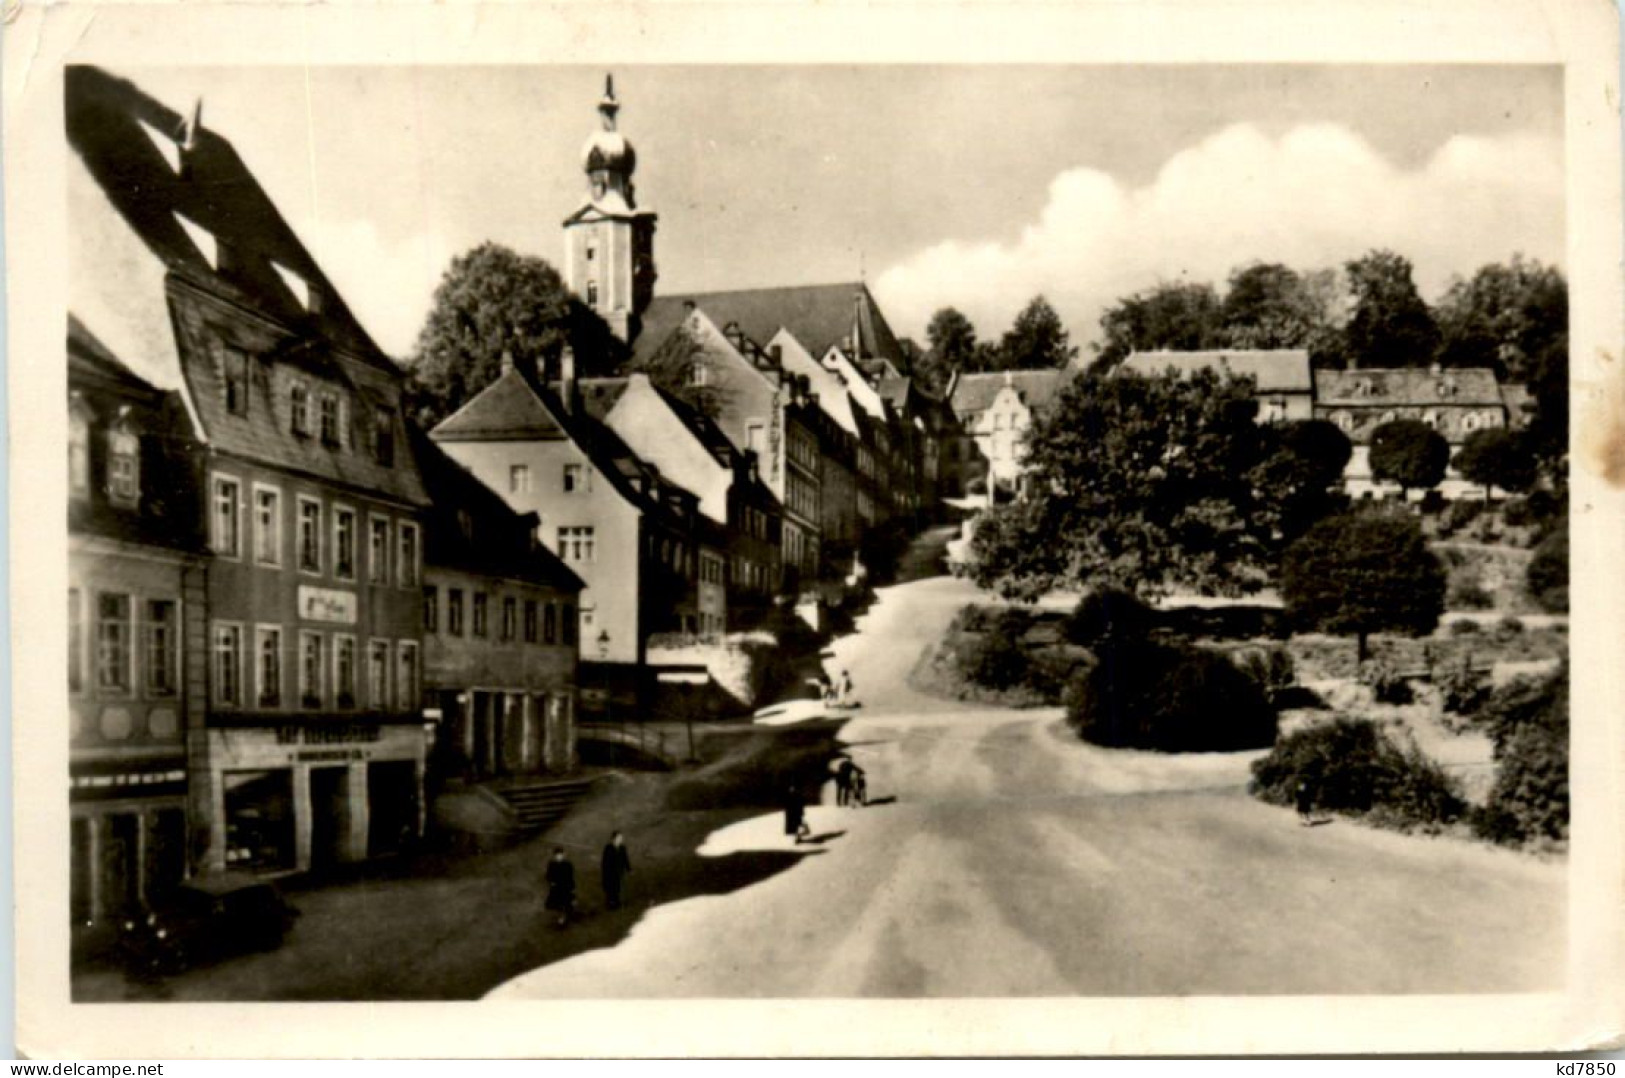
(836, 693)
(851, 784)
(614, 866)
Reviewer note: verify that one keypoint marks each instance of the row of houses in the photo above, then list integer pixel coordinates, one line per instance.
(995, 410)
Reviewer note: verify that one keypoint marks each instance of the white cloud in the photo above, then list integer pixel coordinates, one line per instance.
(1316, 196)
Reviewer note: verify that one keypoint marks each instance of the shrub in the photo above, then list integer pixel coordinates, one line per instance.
(1529, 800)
(1464, 627)
(1271, 668)
(1169, 698)
(1508, 627)
(1468, 595)
(1352, 767)
(1049, 669)
(1461, 514)
(1109, 614)
(1463, 689)
(994, 658)
(1547, 577)
(1387, 686)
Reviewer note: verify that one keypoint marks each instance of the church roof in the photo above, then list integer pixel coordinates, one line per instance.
(974, 393)
(1283, 370)
(816, 315)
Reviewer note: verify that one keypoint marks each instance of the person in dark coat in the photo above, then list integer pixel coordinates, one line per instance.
(561, 886)
(1306, 802)
(843, 780)
(614, 868)
(795, 815)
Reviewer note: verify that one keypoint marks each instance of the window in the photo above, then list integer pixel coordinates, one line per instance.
(378, 674)
(383, 436)
(310, 535)
(592, 293)
(454, 611)
(267, 525)
(519, 479)
(408, 566)
(123, 466)
(592, 252)
(310, 670)
(76, 646)
(162, 646)
(431, 609)
(344, 671)
(344, 543)
(568, 620)
(550, 624)
(328, 411)
(575, 478)
(78, 452)
(268, 646)
(480, 625)
(223, 525)
(113, 642)
(530, 621)
(378, 550)
(406, 676)
(228, 664)
(756, 438)
(510, 618)
(576, 544)
(299, 407)
(699, 375)
(236, 381)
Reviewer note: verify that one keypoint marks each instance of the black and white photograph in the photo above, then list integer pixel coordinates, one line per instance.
(875, 532)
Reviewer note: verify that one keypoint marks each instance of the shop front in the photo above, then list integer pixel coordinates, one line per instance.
(306, 797)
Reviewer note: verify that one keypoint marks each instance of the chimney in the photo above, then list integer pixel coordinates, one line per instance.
(507, 362)
(567, 378)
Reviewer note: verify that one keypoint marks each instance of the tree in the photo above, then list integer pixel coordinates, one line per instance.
(951, 346)
(1497, 457)
(1136, 482)
(1183, 317)
(683, 367)
(1506, 317)
(1362, 573)
(1391, 326)
(1268, 305)
(1410, 453)
(1300, 479)
(1036, 340)
(1547, 577)
(493, 301)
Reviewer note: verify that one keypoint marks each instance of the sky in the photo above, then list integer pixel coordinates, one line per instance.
(971, 186)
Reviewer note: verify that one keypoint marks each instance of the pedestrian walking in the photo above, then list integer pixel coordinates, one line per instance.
(843, 780)
(561, 886)
(846, 688)
(1306, 802)
(795, 816)
(858, 794)
(614, 868)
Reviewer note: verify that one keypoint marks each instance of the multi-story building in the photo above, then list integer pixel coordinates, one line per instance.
(1284, 385)
(136, 609)
(996, 409)
(311, 748)
(499, 631)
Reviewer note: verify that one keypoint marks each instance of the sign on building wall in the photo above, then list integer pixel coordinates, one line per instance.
(327, 604)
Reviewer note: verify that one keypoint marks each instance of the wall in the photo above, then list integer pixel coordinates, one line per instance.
(747, 668)
(645, 423)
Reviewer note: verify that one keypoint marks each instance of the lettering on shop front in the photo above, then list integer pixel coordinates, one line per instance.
(325, 755)
(326, 604)
(350, 733)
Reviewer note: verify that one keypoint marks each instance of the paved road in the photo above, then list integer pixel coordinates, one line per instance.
(1016, 862)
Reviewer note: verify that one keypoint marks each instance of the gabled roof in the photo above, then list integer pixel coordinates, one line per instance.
(1283, 370)
(817, 315)
(598, 395)
(500, 542)
(1415, 386)
(975, 392)
(89, 360)
(896, 391)
(122, 135)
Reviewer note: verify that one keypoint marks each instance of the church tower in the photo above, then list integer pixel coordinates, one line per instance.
(608, 242)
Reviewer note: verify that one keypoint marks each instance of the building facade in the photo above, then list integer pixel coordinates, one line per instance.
(996, 409)
(1284, 384)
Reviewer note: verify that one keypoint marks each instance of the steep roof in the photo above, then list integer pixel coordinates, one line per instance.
(1387, 387)
(127, 140)
(975, 392)
(816, 315)
(89, 360)
(507, 410)
(1283, 370)
(598, 395)
(498, 542)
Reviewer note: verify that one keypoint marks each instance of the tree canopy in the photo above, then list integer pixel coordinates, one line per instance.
(491, 301)
(1410, 453)
(950, 346)
(1362, 573)
(1137, 482)
(1390, 326)
(1300, 478)
(682, 367)
(1036, 340)
(1177, 316)
(1497, 457)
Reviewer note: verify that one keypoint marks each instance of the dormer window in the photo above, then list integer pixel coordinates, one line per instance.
(699, 375)
(299, 407)
(123, 465)
(328, 407)
(383, 437)
(234, 372)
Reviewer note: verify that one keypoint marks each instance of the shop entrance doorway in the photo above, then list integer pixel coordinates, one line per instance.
(392, 806)
(329, 815)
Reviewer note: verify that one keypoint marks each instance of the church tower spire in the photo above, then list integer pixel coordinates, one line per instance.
(609, 241)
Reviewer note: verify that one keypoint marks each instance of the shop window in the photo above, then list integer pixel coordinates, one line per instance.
(530, 621)
(259, 819)
(378, 550)
(481, 603)
(76, 642)
(310, 535)
(510, 619)
(228, 665)
(454, 611)
(113, 642)
(378, 674)
(224, 534)
(311, 651)
(162, 630)
(344, 543)
(431, 609)
(267, 525)
(408, 566)
(268, 645)
(344, 672)
(406, 676)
